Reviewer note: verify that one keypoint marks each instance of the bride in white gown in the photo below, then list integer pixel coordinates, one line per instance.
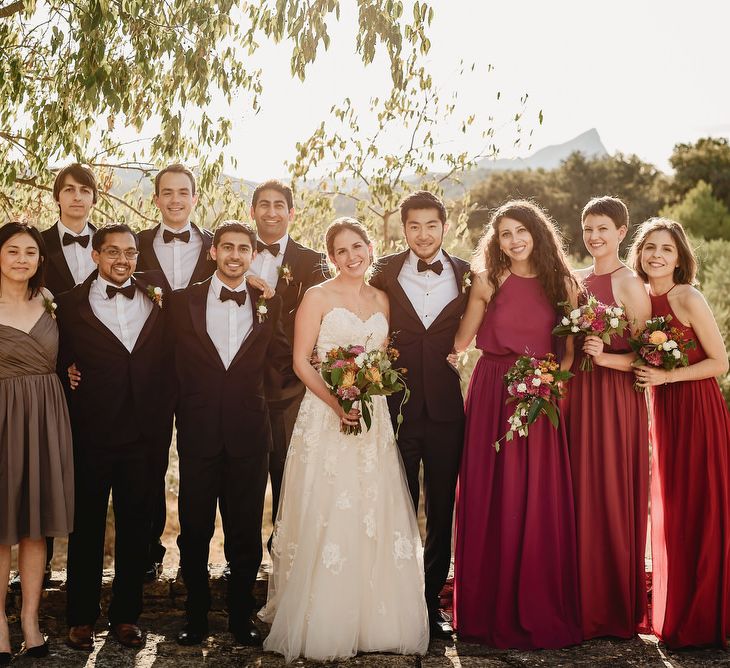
(347, 556)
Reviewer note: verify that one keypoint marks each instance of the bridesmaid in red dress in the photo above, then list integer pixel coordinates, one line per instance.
(690, 434)
(608, 440)
(516, 580)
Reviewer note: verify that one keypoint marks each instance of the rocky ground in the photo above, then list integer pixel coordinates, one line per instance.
(164, 616)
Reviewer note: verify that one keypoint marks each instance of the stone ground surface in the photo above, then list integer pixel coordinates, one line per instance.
(164, 617)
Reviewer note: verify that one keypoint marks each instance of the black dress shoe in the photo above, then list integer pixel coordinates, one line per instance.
(439, 625)
(226, 571)
(37, 652)
(5, 658)
(153, 571)
(245, 633)
(47, 575)
(192, 634)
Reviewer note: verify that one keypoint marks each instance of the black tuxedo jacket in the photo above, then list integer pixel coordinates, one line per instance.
(308, 267)
(223, 409)
(58, 277)
(123, 396)
(433, 382)
(147, 260)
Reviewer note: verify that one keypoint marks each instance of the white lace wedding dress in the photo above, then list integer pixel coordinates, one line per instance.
(348, 561)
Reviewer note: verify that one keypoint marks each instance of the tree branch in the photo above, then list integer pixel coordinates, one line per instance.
(13, 8)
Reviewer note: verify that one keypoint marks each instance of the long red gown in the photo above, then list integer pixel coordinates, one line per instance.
(690, 506)
(516, 581)
(608, 441)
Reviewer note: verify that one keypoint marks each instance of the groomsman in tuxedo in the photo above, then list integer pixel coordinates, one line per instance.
(292, 269)
(69, 253)
(112, 328)
(427, 291)
(227, 337)
(179, 248)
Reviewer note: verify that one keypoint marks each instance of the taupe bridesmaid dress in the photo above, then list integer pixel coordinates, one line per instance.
(36, 455)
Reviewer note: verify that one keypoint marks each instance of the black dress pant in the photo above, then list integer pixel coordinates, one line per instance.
(158, 459)
(438, 445)
(282, 416)
(121, 470)
(238, 485)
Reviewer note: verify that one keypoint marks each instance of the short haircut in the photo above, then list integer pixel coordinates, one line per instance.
(234, 226)
(97, 241)
(422, 199)
(273, 184)
(36, 281)
(175, 168)
(79, 173)
(686, 272)
(612, 207)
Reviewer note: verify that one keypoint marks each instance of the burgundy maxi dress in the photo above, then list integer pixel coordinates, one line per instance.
(516, 581)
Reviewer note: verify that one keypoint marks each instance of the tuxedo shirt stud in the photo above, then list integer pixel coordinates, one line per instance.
(227, 324)
(122, 313)
(428, 290)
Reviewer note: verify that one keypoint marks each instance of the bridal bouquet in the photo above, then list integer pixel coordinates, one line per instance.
(660, 345)
(535, 384)
(354, 374)
(592, 319)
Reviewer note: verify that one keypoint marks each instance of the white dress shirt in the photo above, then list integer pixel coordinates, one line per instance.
(266, 266)
(428, 291)
(177, 258)
(124, 317)
(77, 257)
(227, 323)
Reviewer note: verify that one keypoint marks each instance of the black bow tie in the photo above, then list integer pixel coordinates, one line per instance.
(69, 239)
(435, 267)
(272, 248)
(238, 297)
(113, 291)
(168, 236)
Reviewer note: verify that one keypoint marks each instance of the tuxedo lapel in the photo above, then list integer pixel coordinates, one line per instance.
(56, 256)
(149, 324)
(147, 249)
(292, 258)
(255, 330)
(396, 290)
(202, 264)
(460, 296)
(197, 307)
(87, 314)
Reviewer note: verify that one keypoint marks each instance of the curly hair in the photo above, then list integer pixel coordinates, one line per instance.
(548, 257)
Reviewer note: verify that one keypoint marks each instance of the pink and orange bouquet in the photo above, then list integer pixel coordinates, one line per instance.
(661, 346)
(354, 374)
(536, 385)
(592, 319)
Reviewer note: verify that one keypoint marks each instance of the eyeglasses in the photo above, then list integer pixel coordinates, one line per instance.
(115, 253)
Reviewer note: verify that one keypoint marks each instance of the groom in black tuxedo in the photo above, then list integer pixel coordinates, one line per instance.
(227, 337)
(292, 268)
(179, 248)
(427, 291)
(112, 327)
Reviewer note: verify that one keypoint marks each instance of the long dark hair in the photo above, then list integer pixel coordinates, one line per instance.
(548, 257)
(36, 281)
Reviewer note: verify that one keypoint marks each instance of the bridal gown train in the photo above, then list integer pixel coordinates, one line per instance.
(347, 555)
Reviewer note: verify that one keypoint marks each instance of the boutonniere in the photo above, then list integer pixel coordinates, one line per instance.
(285, 273)
(261, 308)
(155, 294)
(465, 282)
(50, 306)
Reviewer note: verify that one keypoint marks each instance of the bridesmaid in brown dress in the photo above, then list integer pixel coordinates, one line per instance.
(36, 460)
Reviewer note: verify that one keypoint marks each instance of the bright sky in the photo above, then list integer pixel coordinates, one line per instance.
(646, 74)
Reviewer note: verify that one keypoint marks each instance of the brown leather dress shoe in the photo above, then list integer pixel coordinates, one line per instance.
(129, 635)
(81, 638)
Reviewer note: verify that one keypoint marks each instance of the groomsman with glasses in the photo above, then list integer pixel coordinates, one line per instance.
(227, 337)
(427, 289)
(68, 247)
(112, 327)
(179, 248)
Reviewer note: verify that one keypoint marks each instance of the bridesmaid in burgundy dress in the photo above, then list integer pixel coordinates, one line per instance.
(690, 434)
(608, 440)
(516, 580)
